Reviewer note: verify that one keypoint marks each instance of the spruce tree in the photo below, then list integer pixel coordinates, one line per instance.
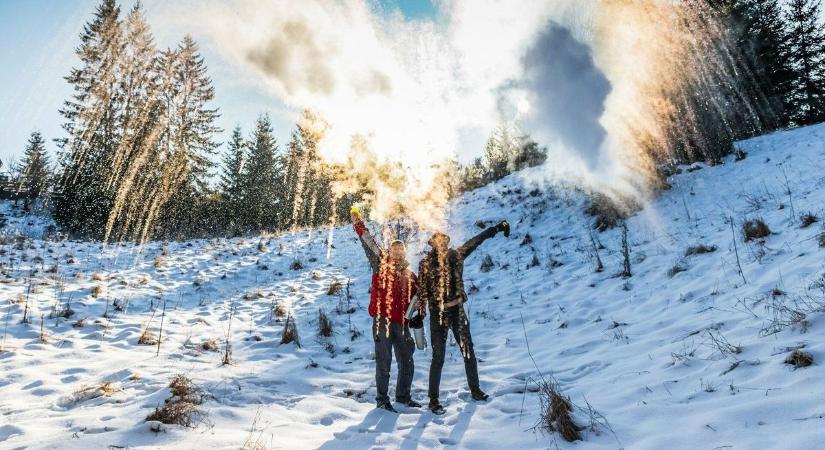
(187, 143)
(92, 132)
(35, 169)
(261, 175)
(232, 182)
(807, 55)
(134, 172)
(767, 50)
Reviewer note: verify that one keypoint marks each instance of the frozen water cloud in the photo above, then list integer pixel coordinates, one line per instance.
(566, 93)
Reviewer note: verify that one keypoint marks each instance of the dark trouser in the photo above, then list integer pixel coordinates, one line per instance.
(396, 337)
(453, 319)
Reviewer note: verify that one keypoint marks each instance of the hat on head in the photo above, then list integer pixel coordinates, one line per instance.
(438, 235)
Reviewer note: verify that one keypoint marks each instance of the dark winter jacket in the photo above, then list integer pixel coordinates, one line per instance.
(441, 277)
(392, 287)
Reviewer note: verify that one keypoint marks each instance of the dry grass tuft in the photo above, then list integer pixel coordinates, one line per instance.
(807, 219)
(755, 229)
(178, 413)
(86, 392)
(181, 409)
(324, 324)
(555, 412)
(487, 263)
(700, 249)
(184, 389)
(159, 262)
(290, 333)
(798, 359)
(210, 345)
(677, 268)
(147, 338)
(335, 287)
(97, 276)
(97, 290)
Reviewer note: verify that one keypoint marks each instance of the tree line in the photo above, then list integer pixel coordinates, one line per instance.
(137, 158)
(768, 73)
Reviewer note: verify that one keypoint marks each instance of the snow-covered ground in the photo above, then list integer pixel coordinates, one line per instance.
(655, 354)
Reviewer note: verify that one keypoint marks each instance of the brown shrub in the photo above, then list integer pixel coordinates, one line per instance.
(798, 359)
(324, 324)
(183, 388)
(290, 333)
(178, 413)
(147, 338)
(700, 249)
(335, 287)
(609, 212)
(807, 219)
(755, 229)
(210, 345)
(555, 412)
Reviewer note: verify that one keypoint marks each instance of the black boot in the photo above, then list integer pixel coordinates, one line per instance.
(411, 403)
(479, 395)
(386, 406)
(436, 407)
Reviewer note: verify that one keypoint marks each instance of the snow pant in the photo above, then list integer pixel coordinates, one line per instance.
(454, 319)
(391, 336)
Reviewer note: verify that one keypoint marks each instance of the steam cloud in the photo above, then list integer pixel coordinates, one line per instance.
(566, 93)
(589, 79)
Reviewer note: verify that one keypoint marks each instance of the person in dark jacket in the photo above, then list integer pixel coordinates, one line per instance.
(441, 287)
(392, 288)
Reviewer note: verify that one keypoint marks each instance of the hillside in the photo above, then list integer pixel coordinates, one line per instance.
(685, 353)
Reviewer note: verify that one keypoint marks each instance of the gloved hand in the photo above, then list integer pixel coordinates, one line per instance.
(505, 227)
(417, 321)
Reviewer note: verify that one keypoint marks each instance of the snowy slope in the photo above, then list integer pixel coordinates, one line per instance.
(639, 350)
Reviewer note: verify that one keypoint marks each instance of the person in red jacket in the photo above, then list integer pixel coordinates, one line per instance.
(393, 287)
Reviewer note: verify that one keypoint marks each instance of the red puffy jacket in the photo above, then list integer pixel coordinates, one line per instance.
(392, 288)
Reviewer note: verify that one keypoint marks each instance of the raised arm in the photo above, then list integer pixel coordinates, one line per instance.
(465, 250)
(371, 248)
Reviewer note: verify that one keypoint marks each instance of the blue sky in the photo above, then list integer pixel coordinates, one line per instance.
(39, 37)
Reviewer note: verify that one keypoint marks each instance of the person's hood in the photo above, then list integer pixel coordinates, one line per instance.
(436, 235)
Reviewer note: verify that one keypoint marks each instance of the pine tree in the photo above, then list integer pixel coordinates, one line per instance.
(187, 142)
(35, 180)
(807, 55)
(261, 175)
(293, 181)
(232, 182)
(767, 51)
(92, 132)
(754, 35)
(134, 174)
